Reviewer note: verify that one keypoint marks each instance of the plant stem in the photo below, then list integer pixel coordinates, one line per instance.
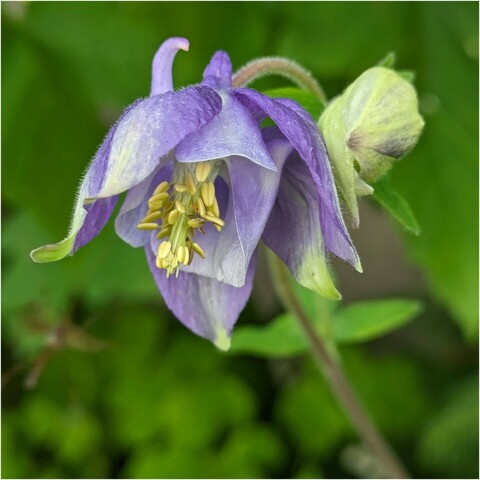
(336, 378)
(278, 66)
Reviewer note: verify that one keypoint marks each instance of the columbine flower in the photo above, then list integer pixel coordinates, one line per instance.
(204, 185)
(372, 124)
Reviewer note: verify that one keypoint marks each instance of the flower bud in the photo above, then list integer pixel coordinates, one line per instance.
(373, 123)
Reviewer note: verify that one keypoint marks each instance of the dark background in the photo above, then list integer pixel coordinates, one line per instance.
(157, 401)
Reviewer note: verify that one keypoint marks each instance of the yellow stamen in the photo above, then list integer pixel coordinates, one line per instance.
(196, 222)
(201, 207)
(172, 217)
(198, 249)
(215, 220)
(180, 188)
(162, 187)
(164, 249)
(147, 226)
(164, 232)
(202, 171)
(152, 216)
(215, 208)
(179, 206)
(207, 190)
(162, 196)
(190, 183)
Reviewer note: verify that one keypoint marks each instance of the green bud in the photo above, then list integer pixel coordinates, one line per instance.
(373, 123)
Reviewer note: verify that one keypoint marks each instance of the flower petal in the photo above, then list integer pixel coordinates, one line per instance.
(162, 64)
(218, 73)
(133, 148)
(232, 132)
(207, 307)
(245, 210)
(135, 208)
(150, 130)
(293, 231)
(302, 132)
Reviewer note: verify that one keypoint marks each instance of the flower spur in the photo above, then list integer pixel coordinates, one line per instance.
(204, 185)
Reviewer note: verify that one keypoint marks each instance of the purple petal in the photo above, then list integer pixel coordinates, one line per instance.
(218, 73)
(97, 217)
(245, 210)
(293, 230)
(147, 132)
(134, 147)
(302, 132)
(207, 307)
(232, 132)
(162, 64)
(135, 208)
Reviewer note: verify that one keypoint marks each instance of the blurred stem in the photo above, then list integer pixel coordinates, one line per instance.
(261, 67)
(336, 378)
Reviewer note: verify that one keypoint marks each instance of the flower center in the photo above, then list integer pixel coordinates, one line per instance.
(180, 209)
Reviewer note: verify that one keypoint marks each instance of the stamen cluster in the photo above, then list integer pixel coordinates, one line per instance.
(179, 209)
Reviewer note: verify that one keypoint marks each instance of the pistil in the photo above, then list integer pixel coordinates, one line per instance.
(179, 209)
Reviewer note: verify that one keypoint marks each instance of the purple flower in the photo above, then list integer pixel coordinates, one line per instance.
(204, 185)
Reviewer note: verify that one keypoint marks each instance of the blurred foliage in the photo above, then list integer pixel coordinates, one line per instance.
(155, 401)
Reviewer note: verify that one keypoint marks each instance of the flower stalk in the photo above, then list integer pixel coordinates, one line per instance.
(284, 67)
(335, 377)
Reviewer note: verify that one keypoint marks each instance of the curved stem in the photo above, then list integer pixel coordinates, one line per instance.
(336, 378)
(278, 66)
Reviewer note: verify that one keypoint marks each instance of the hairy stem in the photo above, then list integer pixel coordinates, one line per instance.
(278, 66)
(336, 378)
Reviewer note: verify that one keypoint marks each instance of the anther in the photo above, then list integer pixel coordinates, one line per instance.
(201, 207)
(202, 170)
(196, 222)
(172, 217)
(162, 187)
(207, 190)
(152, 216)
(162, 196)
(164, 249)
(180, 207)
(180, 188)
(198, 249)
(215, 208)
(190, 182)
(215, 220)
(147, 226)
(164, 232)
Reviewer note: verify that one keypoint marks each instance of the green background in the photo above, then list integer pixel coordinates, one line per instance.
(144, 397)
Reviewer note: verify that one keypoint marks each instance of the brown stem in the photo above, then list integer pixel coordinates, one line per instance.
(337, 380)
(278, 66)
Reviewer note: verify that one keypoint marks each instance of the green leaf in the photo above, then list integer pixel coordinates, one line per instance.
(366, 321)
(282, 337)
(306, 99)
(356, 323)
(396, 205)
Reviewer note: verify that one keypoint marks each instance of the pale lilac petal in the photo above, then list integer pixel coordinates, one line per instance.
(151, 130)
(232, 132)
(218, 73)
(207, 307)
(98, 214)
(135, 208)
(302, 132)
(293, 231)
(134, 147)
(162, 64)
(252, 192)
